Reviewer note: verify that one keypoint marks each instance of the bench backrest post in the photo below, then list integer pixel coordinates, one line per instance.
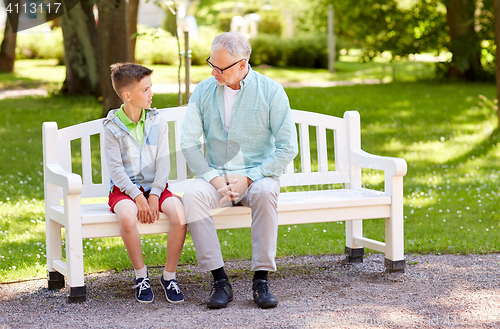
(51, 194)
(354, 143)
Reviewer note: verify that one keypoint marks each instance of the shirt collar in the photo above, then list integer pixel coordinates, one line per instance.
(126, 120)
(248, 78)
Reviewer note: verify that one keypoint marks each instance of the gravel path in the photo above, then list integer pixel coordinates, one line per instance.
(445, 291)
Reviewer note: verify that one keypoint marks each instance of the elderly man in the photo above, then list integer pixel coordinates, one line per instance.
(250, 138)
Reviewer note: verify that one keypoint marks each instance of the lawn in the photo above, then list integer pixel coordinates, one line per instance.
(448, 137)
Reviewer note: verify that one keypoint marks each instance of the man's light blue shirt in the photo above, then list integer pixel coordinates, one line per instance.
(262, 138)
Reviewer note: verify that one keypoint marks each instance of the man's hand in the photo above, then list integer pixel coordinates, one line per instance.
(238, 184)
(223, 187)
(144, 214)
(153, 202)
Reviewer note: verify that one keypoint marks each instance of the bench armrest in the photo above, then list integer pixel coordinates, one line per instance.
(70, 182)
(391, 166)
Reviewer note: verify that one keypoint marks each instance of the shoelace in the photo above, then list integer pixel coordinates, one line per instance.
(217, 287)
(262, 287)
(143, 285)
(173, 285)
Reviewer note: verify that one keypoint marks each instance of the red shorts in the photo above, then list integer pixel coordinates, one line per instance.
(116, 196)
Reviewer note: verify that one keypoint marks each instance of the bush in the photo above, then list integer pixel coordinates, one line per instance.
(156, 46)
(269, 49)
(309, 50)
(306, 50)
(271, 22)
(224, 21)
(200, 47)
(41, 45)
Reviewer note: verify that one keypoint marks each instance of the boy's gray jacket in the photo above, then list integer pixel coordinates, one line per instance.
(130, 165)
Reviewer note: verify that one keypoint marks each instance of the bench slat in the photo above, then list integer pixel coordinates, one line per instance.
(104, 164)
(322, 149)
(314, 178)
(179, 156)
(305, 151)
(287, 202)
(86, 160)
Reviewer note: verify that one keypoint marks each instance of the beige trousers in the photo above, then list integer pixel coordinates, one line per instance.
(262, 198)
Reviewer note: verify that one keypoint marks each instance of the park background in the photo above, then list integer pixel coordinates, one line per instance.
(423, 79)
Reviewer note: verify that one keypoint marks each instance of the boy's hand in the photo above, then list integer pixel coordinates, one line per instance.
(144, 214)
(153, 202)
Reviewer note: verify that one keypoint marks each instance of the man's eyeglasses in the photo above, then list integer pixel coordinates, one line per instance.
(218, 69)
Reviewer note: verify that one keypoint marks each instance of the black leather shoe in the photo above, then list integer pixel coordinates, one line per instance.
(221, 294)
(262, 296)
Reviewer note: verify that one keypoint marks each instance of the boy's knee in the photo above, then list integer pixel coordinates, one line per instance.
(128, 221)
(173, 208)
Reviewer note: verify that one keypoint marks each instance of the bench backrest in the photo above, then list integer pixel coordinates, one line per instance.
(329, 164)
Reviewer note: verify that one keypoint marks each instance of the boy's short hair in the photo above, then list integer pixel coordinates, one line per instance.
(124, 74)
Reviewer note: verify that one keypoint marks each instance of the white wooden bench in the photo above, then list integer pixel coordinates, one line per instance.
(64, 191)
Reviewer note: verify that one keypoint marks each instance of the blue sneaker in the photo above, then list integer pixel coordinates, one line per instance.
(172, 291)
(143, 292)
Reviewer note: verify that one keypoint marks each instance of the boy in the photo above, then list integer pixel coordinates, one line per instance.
(136, 149)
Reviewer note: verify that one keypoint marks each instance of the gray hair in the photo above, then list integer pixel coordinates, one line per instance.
(236, 44)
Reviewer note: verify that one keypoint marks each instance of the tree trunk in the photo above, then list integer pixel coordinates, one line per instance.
(114, 46)
(80, 51)
(465, 43)
(496, 12)
(132, 12)
(8, 47)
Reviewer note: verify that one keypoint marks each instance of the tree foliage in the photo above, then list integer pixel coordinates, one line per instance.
(382, 25)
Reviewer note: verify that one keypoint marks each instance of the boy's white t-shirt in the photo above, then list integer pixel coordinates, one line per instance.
(229, 98)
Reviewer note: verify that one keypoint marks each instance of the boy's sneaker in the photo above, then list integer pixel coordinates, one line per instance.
(172, 291)
(143, 292)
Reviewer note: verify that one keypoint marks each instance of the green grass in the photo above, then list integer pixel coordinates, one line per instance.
(448, 138)
(34, 74)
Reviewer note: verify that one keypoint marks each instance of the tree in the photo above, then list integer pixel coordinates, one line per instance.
(496, 11)
(113, 46)
(465, 44)
(80, 51)
(132, 12)
(8, 47)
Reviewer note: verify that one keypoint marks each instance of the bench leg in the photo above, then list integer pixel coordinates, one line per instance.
(354, 253)
(55, 280)
(74, 247)
(353, 256)
(77, 294)
(394, 230)
(394, 265)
